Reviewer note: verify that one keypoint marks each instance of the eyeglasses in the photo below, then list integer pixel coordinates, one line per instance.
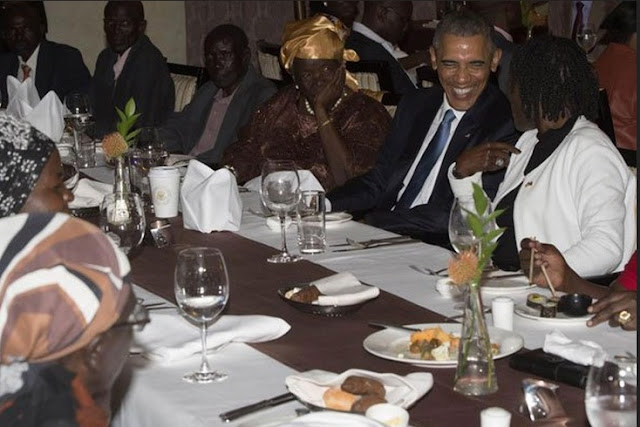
(138, 318)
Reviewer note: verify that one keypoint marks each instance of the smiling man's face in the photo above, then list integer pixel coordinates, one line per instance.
(464, 65)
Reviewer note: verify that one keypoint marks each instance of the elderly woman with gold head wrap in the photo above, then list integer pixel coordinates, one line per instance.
(321, 122)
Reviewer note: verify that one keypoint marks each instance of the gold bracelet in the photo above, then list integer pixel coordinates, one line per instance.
(324, 123)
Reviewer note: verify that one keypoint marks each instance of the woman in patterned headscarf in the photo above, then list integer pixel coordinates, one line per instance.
(322, 122)
(65, 320)
(31, 176)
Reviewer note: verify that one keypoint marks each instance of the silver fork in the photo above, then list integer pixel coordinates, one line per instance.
(428, 271)
(367, 243)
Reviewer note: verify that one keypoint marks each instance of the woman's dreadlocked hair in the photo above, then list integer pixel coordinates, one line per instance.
(554, 75)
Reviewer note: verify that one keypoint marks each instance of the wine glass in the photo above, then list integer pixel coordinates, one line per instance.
(202, 291)
(586, 37)
(70, 172)
(280, 193)
(611, 393)
(460, 234)
(150, 142)
(78, 113)
(122, 219)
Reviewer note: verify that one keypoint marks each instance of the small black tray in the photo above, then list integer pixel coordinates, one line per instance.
(322, 310)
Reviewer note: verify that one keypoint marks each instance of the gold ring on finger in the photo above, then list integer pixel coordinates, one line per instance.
(624, 317)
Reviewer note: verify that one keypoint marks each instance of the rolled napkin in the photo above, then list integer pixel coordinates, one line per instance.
(46, 115)
(403, 391)
(210, 199)
(89, 193)
(308, 182)
(581, 352)
(169, 337)
(343, 289)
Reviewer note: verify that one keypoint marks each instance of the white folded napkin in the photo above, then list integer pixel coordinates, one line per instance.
(308, 182)
(402, 391)
(89, 193)
(582, 352)
(330, 418)
(46, 115)
(178, 159)
(343, 289)
(169, 337)
(210, 199)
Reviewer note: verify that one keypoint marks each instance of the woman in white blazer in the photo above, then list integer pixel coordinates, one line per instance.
(565, 183)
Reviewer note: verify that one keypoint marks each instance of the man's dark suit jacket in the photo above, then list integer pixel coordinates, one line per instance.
(369, 50)
(60, 68)
(145, 77)
(183, 129)
(375, 193)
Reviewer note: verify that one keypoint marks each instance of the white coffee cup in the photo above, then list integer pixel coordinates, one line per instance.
(502, 312)
(165, 190)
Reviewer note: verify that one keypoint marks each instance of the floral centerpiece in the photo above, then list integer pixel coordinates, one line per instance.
(115, 144)
(475, 373)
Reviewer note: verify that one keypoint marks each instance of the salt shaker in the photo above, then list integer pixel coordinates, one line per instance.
(502, 312)
(495, 417)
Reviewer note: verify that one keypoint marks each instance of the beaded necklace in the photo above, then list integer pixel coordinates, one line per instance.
(307, 104)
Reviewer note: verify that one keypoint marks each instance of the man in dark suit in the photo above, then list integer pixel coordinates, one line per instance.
(54, 66)
(131, 66)
(375, 38)
(211, 121)
(407, 191)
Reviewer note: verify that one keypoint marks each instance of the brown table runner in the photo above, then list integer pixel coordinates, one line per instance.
(334, 344)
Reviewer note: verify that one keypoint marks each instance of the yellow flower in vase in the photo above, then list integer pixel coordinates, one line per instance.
(115, 144)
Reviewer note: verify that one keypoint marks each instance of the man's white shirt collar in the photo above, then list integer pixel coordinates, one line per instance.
(32, 62)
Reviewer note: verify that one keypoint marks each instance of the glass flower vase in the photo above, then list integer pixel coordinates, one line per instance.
(475, 373)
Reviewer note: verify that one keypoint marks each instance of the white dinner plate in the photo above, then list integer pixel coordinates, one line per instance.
(393, 344)
(332, 218)
(506, 285)
(560, 319)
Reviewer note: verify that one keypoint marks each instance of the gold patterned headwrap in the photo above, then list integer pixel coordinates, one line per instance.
(317, 37)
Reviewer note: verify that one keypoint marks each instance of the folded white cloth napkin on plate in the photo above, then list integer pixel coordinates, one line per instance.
(308, 182)
(210, 199)
(343, 289)
(169, 337)
(329, 418)
(46, 115)
(89, 193)
(403, 391)
(582, 352)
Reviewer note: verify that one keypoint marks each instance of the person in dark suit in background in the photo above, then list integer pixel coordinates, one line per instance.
(383, 25)
(211, 121)
(407, 191)
(54, 66)
(131, 66)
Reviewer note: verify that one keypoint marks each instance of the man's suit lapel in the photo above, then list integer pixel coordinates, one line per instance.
(44, 69)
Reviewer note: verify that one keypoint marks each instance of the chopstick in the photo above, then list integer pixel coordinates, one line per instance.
(533, 252)
(544, 271)
(546, 277)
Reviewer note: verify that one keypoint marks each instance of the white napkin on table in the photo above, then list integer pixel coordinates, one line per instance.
(403, 391)
(46, 115)
(169, 337)
(308, 182)
(210, 199)
(582, 352)
(89, 193)
(343, 289)
(330, 419)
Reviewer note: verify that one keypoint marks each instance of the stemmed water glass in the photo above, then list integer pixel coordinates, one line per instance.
(611, 393)
(586, 37)
(202, 291)
(280, 193)
(78, 113)
(460, 234)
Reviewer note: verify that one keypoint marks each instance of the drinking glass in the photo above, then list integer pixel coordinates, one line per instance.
(611, 393)
(122, 219)
(586, 37)
(69, 165)
(280, 193)
(460, 234)
(202, 291)
(78, 113)
(149, 142)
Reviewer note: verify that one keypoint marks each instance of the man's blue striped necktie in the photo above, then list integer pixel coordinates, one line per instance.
(427, 161)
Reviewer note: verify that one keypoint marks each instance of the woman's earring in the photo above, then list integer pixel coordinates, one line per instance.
(297, 87)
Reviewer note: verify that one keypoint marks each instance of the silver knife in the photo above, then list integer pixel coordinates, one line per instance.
(388, 325)
(375, 241)
(249, 409)
(380, 245)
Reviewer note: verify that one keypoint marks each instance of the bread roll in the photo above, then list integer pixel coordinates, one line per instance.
(307, 294)
(362, 385)
(361, 405)
(334, 398)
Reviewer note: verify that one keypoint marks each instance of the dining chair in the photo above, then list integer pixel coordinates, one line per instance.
(186, 80)
(269, 63)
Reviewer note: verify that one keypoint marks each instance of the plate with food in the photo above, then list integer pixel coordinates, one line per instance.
(436, 345)
(335, 218)
(565, 310)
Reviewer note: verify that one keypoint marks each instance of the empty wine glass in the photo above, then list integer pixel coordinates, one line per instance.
(202, 291)
(122, 219)
(460, 234)
(611, 393)
(586, 37)
(280, 193)
(78, 113)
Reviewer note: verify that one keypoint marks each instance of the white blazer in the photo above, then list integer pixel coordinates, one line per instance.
(582, 199)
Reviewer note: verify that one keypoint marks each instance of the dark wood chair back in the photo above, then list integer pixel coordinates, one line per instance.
(200, 73)
(269, 63)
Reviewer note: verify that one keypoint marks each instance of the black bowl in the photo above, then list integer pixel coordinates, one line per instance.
(574, 305)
